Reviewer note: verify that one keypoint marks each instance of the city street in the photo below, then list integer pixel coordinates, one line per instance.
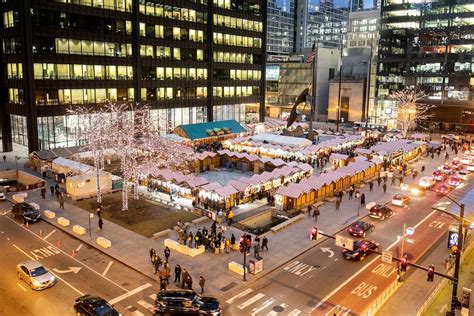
(84, 271)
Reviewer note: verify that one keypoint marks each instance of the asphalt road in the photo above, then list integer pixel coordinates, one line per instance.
(300, 285)
(82, 271)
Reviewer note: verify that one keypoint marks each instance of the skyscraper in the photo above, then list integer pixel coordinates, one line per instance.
(280, 27)
(428, 46)
(190, 61)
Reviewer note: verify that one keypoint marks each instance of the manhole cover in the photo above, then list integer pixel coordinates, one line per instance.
(278, 309)
(132, 309)
(317, 266)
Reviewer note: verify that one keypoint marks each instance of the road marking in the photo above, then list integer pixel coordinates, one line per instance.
(153, 297)
(294, 312)
(273, 313)
(65, 282)
(66, 254)
(71, 269)
(251, 300)
(107, 268)
(78, 248)
(49, 235)
(21, 286)
(262, 307)
(147, 305)
(365, 267)
(231, 300)
(129, 293)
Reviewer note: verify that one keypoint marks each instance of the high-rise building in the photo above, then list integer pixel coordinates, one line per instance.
(280, 27)
(190, 61)
(361, 5)
(429, 46)
(323, 22)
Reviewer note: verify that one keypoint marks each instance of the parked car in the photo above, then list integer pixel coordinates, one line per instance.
(362, 248)
(35, 275)
(439, 176)
(455, 181)
(427, 182)
(380, 211)
(93, 305)
(360, 228)
(26, 211)
(401, 200)
(182, 302)
(444, 189)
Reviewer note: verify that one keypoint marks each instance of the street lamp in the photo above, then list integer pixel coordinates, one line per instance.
(454, 298)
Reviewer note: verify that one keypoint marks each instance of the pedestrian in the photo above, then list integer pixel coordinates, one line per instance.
(152, 252)
(371, 186)
(379, 180)
(264, 243)
(227, 245)
(316, 214)
(4, 158)
(256, 253)
(309, 210)
(154, 258)
(157, 264)
(162, 283)
(362, 199)
(393, 181)
(51, 188)
(198, 238)
(189, 282)
(190, 239)
(384, 188)
(184, 278)
(230, 217)
(177, 274)
(202, 281)
(167, 252)
(166, 273)
(338, 203)
(43, 193)
(61, 202)
(351, 192)
(185, 240)
(98, 211)
(101, 223)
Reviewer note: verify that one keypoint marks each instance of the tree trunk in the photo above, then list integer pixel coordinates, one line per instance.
(97, 170)
(125, 195)
(135, 188)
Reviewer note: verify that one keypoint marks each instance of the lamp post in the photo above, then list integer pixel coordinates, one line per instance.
(90, 217)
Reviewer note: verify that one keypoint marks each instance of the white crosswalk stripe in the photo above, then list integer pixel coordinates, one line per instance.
(148, 306)
(251, 300)
(153, 297)
(294, 312)
(262, 307)
(242, 294)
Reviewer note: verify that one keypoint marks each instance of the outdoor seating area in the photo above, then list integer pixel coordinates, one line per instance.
(317, 188)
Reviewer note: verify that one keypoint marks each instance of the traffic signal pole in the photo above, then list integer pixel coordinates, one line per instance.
(454, 298)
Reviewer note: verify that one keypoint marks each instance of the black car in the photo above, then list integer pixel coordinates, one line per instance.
(26, 211)
(185, 302)
(380, 211)
(360, 228)
(93, 305)
(361, 249)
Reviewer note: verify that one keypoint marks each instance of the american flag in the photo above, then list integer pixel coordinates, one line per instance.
(311, 55)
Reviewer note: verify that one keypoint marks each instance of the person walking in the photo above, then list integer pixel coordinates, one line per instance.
(4, 159)
(393, 181)
(51, 188)
(185, 240)
(61, 202)
(362, 199)
(166, 273)
(202, 282)
(43, 193)
(98, 211)
(162, 282)
(379, 180)
(351, 192)
(316, 214)
(309, 210)
(184, 278)
(152, 252)
(190, 239)
(189, 282)
(157, 264)
(227, 245)
(167, 252)
(101, 223)
(371, 186)
(177, 274)
(256, 252)
(338, 203)
(384, 188)
(264, 243)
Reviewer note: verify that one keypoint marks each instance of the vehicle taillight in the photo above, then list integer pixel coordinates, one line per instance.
(350, 229)
(380, 214)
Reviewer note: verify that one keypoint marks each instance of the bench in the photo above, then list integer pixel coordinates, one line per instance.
(103, 242)
(163, 233)
(49, 214)
(185, 250)
(287, 223)
(78, 229)
(236, 267)
(64, 221)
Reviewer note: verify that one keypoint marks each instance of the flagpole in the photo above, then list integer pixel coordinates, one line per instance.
(313, 92)
(339, 92)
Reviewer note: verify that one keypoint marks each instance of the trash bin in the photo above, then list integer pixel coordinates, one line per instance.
(255, 266)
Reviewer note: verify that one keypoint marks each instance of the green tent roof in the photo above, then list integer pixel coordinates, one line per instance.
(201, 130)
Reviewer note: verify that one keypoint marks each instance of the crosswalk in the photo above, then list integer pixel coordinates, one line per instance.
(144, 306)
(250, 302)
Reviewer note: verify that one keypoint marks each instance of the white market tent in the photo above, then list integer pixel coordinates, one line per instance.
(282, 140)
(63, 165)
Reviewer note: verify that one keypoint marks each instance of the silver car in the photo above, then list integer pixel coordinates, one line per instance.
(33, 273)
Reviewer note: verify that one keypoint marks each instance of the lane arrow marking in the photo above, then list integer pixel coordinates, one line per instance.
(328, 250)
(71, 269)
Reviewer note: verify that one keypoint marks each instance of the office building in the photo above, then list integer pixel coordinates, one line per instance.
(362, 5)
(428, 46)
(323, 22)
(363, 29)
(280, 27)
(190, 61)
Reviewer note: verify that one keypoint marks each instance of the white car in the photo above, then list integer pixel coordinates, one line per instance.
(427, 182)
(35, 275)
(400, 200)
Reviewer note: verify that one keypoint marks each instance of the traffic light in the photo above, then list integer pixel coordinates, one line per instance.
(242, 244)
(403, 264)
(314, 233)
(431, 270)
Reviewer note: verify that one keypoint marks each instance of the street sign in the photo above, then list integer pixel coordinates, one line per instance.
(410, 231)
(387, 256)
(453, 239)
(344, 242)
(408, 240)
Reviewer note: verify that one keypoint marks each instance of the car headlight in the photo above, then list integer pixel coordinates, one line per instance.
(52, 278)
(36, 283)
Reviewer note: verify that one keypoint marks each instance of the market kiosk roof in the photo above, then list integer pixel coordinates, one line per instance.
(210, 129)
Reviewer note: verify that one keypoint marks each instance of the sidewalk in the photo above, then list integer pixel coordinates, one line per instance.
(132, 249)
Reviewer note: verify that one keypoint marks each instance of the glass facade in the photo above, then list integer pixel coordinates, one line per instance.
(229, 112)
(280, 27)
(427, 46)
(19, 131)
